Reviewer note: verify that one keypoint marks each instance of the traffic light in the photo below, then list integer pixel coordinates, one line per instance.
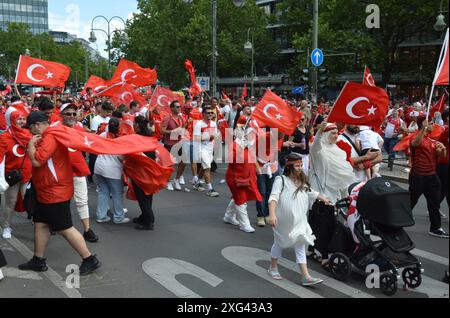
(357, 59)
(305, 77)
(322, 78)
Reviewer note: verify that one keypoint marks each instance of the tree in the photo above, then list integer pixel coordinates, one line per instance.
(166, 32)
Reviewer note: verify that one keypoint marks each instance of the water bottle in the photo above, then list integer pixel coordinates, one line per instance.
(304, 143)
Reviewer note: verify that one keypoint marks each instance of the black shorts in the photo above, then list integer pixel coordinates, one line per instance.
(57, 216)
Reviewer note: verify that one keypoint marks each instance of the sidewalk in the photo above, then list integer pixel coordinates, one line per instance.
(398, 174)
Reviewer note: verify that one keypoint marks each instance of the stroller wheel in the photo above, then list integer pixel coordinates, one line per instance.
(340, 266)
(412, 277)
(388, 284)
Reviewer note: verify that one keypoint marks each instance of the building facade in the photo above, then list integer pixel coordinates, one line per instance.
(34, 13)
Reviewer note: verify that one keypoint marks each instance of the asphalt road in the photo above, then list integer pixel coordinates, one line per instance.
(192, 253)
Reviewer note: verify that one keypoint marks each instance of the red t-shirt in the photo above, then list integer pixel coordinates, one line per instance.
(444, 140)
(424, 158)
(79, 166)
(53, 180)
(171, 122)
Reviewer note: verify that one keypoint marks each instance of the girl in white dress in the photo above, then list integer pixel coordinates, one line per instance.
(289, 203)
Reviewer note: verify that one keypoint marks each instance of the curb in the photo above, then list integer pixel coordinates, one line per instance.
(396, 179)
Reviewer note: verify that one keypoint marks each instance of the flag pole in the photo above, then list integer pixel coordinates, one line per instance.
(439, 66)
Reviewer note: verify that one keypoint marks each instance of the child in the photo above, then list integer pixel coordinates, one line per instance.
(369, 141)
(288, 207)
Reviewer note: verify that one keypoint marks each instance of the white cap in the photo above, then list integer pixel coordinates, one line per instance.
(414, 114)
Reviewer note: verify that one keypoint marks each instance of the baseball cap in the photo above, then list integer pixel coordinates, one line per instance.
(36, 117)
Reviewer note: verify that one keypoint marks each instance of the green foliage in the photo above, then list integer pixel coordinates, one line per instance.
(166, 32)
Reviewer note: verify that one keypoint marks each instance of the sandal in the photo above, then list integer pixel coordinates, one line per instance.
(274, 274)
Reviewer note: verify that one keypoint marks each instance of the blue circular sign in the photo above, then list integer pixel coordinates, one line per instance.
(317, 57)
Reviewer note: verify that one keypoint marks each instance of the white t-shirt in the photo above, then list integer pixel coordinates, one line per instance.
(109, 166)
(201, 129)
(97, 121)
(390, 129)
(413, 127)
(369, 139)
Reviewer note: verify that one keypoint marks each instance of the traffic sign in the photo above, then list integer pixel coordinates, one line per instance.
(298, 90)
(204, 82)
(317, 57)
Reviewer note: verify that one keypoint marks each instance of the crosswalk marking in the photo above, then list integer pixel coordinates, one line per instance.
(15, 273)
(247, 257)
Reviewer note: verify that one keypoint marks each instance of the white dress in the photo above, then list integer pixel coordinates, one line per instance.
(291, 212)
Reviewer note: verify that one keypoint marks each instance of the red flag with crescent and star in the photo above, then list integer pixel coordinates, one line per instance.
(441, 77)
(133, 74)
(96, 83)
(368, 78)
(273, 112)
(440, 106)
(360, 104)
(195, 89)
(39, 72)
(162, 97)
(123, 94)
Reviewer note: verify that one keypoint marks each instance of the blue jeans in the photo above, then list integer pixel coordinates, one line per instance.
(265, 188)
(110, 187)
(389, 144)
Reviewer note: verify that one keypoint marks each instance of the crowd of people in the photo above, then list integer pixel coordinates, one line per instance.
(294, 187)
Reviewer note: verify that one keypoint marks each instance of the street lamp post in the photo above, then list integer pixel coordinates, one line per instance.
(249, 46)
(214, 48)
(440, 24)
(93, 38)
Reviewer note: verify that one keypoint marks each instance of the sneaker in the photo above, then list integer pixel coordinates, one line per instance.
(169, 186)
(1, 275)
(7, 233)
(90, 236)
(137, 220)
(125, 210)
(144, 227)
(106, 219)
(231, 220)
(202, 181)
(439, 233)
(443, 215)
(198, 187)
(273, 272)
(212, 193)
(182, 181)
(310, 281)
(247, 229)
(36, 264)
(261, 222)
(177, 185)
(89, 265)
(123, 221)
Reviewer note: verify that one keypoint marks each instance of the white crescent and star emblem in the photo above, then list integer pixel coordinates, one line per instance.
(349, 108)
(16, 153)
(122, 97)
(159, 101)
(266, 110)
(126, 72)
(370, 80)
(98, 88)
(72, 150)
(30, 72)
(87, 142)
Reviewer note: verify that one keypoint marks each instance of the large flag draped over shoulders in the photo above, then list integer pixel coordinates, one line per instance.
(360, 104)
(273, 112)
(39, 72)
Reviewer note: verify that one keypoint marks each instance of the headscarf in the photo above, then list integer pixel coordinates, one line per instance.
(331, 173)
(21, 135)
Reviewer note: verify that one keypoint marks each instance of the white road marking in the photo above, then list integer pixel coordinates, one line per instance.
(247, 258)
(431, 287)
(165, 270)
(15, 273)
(53, 276)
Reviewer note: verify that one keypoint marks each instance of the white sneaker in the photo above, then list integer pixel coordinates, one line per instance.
(7, 233)
(182, 181)
(1, 274)
(247, 229)
(177, 185)
(104, 220)
(125, 210)
(123, 221)
(230, 220)
(170, 186)
(202, 181)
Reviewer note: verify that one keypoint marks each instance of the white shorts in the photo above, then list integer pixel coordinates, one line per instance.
(207, 157)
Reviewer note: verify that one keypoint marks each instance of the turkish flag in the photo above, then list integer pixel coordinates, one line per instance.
(39, 72)
(368, 78)
(404, 144)
(272, 111)
(359, 104)
(132, 73)
(162, 97)
(123, 94)
(6, 91)
(245, 91)
(96, 83)
(439, 107)
(195, 89)
(441, 77)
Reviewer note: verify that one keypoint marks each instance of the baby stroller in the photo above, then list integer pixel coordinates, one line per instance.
(384, 210)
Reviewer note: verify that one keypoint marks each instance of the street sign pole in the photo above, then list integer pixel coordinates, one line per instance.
(315, 45)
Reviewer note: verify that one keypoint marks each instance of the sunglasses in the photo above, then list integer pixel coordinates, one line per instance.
(209, 113)
(70, 114)
(176, 107)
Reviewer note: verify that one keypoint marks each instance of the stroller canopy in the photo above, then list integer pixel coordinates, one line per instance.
(383, 202)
